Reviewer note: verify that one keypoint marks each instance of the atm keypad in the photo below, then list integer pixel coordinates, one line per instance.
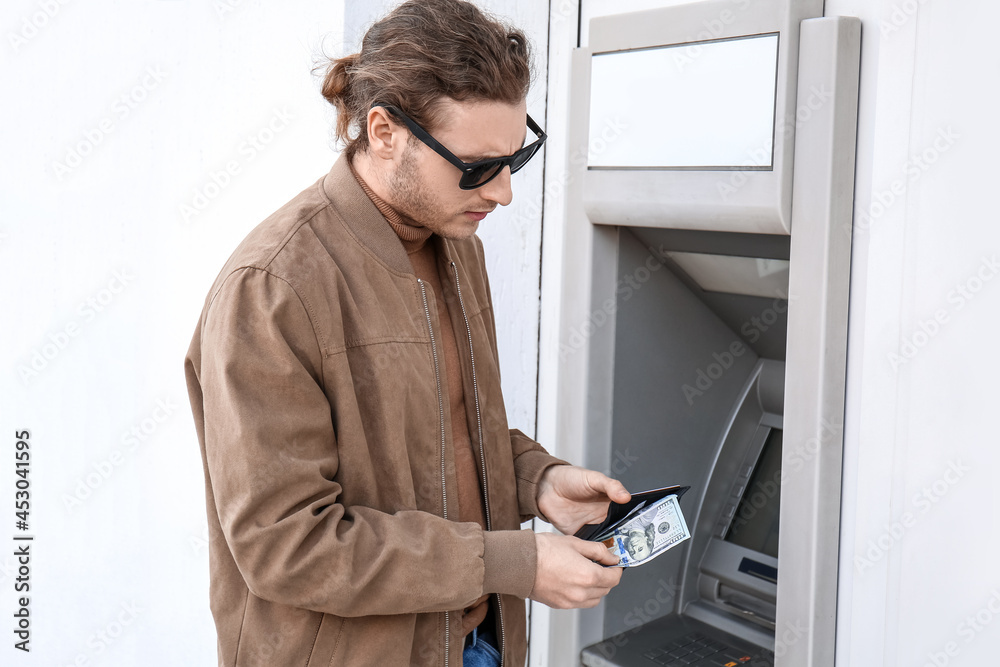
(696, 650)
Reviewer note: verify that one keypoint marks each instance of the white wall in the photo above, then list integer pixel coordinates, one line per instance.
(104, 280)
(917, 570)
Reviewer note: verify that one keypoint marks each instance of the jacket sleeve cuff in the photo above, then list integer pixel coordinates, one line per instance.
(529, 468)
(510, 560)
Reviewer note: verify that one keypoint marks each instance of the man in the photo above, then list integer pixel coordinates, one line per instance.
(364, 491)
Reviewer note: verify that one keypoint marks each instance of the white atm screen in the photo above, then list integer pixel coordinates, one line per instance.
(690, 106)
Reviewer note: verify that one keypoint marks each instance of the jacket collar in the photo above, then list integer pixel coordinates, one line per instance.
(362, 218)
(366, 222)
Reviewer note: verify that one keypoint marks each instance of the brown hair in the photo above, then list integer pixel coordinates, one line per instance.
(422, 51)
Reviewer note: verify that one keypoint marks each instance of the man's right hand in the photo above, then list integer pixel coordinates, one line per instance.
(567, 576)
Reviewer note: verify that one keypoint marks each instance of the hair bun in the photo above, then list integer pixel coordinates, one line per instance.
(337, 81)
(336, 89)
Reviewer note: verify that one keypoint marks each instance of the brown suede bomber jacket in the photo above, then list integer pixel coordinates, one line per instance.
(315, 382)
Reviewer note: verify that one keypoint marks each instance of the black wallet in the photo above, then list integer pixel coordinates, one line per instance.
(618, 511)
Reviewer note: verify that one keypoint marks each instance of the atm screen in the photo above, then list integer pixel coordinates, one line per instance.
(755, 524)
(708, 105)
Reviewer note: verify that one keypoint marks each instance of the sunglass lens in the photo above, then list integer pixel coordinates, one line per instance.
(481, 174)
(521, 158)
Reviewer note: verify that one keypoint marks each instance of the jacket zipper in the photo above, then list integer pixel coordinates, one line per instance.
(444, 492)
(482, 453)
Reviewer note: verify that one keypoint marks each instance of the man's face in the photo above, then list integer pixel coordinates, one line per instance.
(424, 186)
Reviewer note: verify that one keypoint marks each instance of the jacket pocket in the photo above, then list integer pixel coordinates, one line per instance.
(327, 639)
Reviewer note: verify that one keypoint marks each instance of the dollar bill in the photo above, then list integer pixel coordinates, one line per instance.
(657, 528)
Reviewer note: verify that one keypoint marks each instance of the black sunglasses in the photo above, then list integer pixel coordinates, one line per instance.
(474, 174)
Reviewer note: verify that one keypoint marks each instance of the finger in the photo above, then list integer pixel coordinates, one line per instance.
(619, 493)
(607, 558)
(616, 491)
(612, 488)
(597, 552)
(591, 550)
(608, 579)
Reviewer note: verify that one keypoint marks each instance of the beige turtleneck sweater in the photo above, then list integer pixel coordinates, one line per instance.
(423, 256)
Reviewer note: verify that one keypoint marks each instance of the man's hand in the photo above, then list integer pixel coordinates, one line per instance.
(567, 577)
(571, 497)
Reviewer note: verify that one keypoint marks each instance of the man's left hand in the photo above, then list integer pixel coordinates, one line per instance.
(571, 497)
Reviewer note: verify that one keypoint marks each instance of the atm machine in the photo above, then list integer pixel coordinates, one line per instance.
(713, 217)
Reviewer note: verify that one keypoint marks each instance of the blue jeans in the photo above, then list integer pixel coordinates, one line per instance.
(481, 651)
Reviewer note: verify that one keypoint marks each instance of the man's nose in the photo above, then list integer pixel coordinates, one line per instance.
(498, 189)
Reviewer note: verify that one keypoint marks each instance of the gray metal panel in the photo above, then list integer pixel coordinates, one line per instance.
(815, 371)
(666, 339)
(759, 404)
(772, 246)
(600, 330)
(760, 322)
(736, 201)
(598, 333)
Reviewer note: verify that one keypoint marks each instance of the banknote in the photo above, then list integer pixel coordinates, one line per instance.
(655, 529)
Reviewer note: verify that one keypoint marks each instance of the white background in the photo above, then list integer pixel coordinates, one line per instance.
(119, 519)
(105, 274)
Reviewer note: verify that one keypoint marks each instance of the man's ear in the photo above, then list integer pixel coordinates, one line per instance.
(385, 137)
